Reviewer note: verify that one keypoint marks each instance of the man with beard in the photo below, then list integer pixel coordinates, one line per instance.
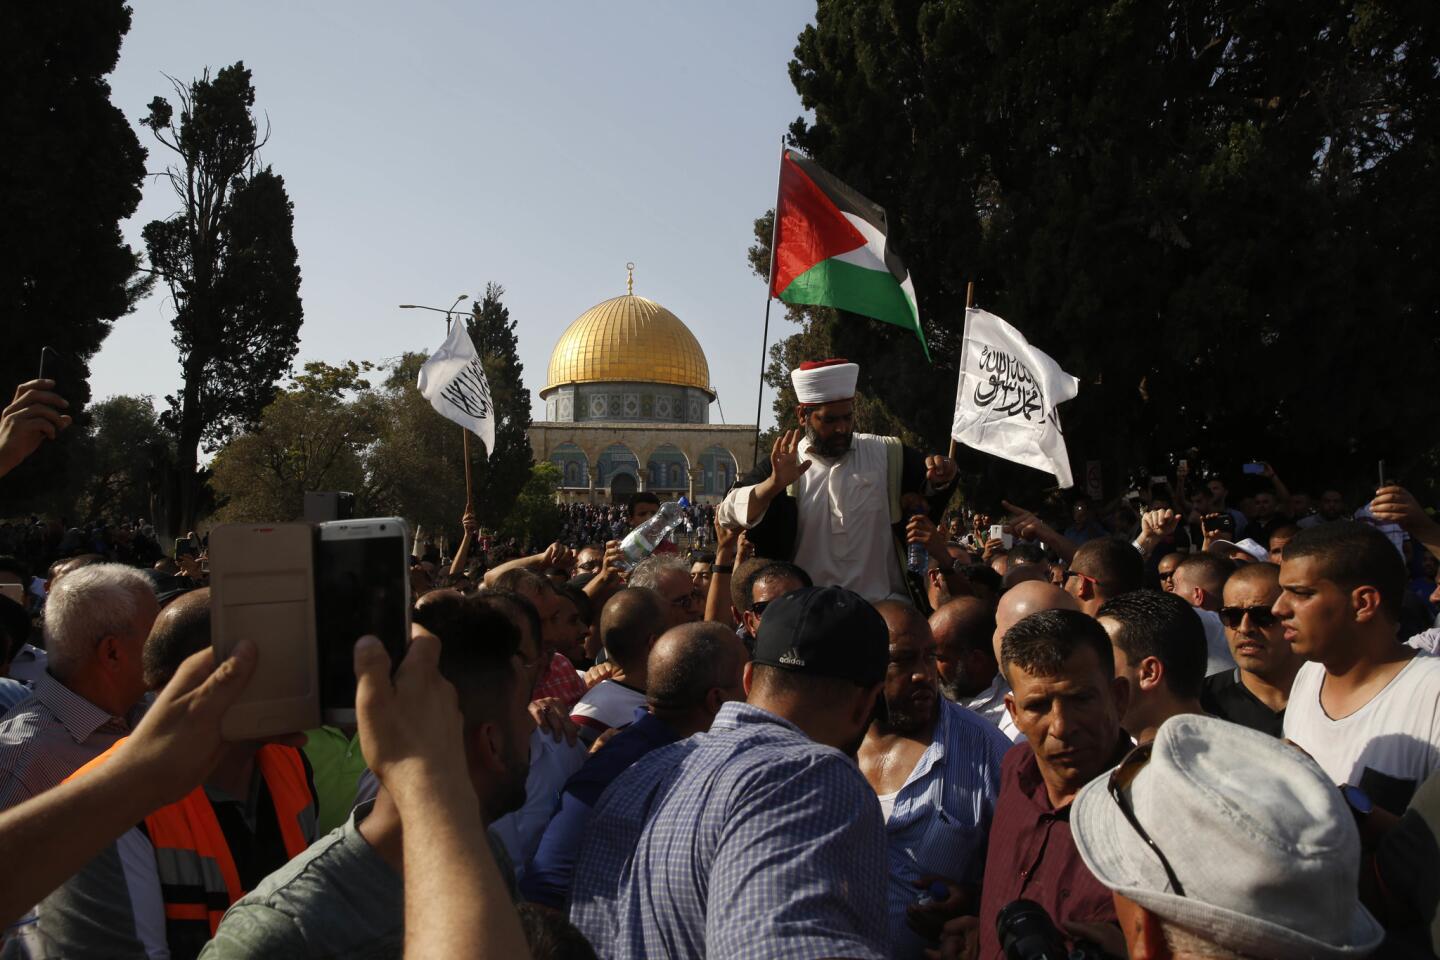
(935, 767)
(1255, 692)
(829, 498)
(760, 837)
(345, 895)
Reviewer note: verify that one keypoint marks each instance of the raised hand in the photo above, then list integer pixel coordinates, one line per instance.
(1395, 504)
(1161, 522)
(921, 529)
(785, 463)
(939, 471)
(32, 417)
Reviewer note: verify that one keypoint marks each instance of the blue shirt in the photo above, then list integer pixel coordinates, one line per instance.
(547, 878)
(941, 821)
(781, 834)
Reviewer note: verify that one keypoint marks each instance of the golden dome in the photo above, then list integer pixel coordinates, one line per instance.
(629, 339)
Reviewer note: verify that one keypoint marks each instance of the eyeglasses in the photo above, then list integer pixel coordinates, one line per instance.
(588, 566)
(1076, 573)
(758, 608)
(1120, 781)
(1262, 616)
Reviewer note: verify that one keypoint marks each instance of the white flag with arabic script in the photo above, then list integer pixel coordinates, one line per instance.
(454, 382)
(1007, 394)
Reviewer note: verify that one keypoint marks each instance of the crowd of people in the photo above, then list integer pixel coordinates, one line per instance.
(1191, 722)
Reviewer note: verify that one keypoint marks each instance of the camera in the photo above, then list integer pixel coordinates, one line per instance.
(1026, 932)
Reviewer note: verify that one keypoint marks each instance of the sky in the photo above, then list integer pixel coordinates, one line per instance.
(429, 147)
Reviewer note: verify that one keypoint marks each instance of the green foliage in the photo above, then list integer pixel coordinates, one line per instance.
(126, 452)
(498, 475)
(1218, 215)
(535, 518)
(229, 260)
(313, 436)
(70, 172)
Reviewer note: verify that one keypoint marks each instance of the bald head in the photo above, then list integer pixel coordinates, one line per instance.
(963, 629)
(693, 669)
(1026, 598)
(181, 629)
(900, 617)
(629, 625)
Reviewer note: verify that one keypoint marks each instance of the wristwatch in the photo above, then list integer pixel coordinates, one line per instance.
(722, 568)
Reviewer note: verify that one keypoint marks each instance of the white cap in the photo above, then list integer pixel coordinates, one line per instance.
(1248, 546)
(824, 381)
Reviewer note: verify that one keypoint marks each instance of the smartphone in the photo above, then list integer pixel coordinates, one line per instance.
(1385, 479)
(362, 586)
(14, 591)
(262, 586)
(1253, 468)
(48, 359)
(1158, 481)
(1185, 466)
(184, 547)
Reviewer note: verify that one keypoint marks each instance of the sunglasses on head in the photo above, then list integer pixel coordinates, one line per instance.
(1120, 782)
(1261, 617)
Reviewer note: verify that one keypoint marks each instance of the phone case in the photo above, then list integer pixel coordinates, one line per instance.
(262, 586)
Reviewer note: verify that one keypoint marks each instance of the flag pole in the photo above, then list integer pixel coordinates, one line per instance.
(969, 302)
(464, 445)
(769, 283)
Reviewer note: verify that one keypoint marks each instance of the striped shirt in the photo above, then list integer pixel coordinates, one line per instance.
(49, 735)
(941, 820)
(781, 834)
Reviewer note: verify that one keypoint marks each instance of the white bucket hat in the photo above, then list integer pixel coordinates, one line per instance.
(1260, 840)
(1249, 546)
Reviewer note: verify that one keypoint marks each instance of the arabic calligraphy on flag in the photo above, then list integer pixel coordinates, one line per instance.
(1006, 397)
(453, 380)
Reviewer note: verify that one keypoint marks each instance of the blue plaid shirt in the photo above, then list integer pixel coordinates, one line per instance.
(941, 821)
(780, 834)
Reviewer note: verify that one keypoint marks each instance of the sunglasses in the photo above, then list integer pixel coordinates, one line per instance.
(1074, 573)
(1120, 781)
(1261, 617)
(759, 608)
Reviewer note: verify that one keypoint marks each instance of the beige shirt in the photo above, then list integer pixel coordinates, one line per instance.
(843, 536)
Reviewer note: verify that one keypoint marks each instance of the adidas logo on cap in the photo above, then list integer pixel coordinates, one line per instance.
(792, 659)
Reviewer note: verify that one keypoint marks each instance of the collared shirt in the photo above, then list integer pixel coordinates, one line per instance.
(547, 876)
(942, 815)
(609, 703)
(1032, 854)
(990, 704)
(781, 834)
(49, 735)
(560, 680)
(843, 536)
(337, 764)
(1226, 696)
(29, 664)
(552, 763)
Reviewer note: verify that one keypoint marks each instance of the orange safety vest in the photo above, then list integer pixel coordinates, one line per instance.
(198, 879)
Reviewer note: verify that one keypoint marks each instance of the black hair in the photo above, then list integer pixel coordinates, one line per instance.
(1209, 567)
(550, 936)
(518, 609)
(1043, 642)
(477, 645)
(1354, 555)
(1114, 564)
(517, 578)
(583, 605)
(643, 496)
(1164, 626)
(984, 575)
(774, 570)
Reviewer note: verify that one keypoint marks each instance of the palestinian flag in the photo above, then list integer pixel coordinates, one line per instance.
(832, 250)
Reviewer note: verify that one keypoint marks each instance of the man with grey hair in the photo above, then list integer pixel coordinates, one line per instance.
(1207, 792)
(669, 576)
(96, 622)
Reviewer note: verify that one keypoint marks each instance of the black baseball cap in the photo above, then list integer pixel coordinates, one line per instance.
(825, 632)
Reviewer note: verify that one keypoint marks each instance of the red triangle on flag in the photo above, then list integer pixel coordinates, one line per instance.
(809, 227)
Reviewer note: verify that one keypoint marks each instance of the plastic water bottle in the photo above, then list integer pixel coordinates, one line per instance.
(642, 541)
(917, 558)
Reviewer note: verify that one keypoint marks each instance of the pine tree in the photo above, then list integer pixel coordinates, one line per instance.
(499, 475)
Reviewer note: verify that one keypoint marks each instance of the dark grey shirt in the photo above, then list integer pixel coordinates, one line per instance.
(337, 899)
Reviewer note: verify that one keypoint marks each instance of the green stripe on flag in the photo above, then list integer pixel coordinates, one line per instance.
(845, 286)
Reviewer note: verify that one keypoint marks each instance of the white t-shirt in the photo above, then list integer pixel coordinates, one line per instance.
(605, 705)
(1217, 648)
(1387, 747)
(887, 803)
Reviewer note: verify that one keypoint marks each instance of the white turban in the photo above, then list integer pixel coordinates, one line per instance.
(823, 381)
